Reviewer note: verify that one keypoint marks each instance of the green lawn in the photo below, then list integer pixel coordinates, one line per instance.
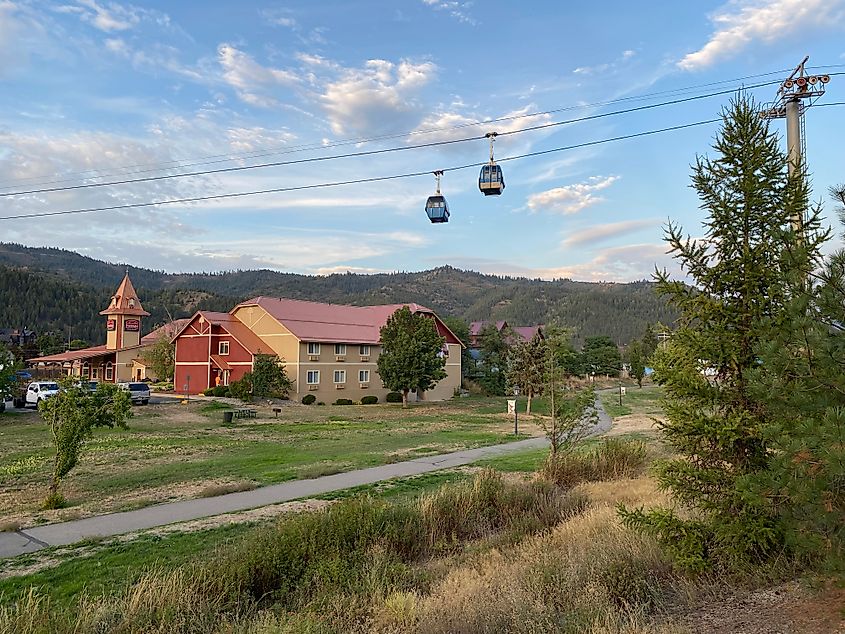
(173, 451)
(643, 401)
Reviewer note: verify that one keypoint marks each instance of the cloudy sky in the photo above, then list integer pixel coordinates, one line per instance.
(96, 91)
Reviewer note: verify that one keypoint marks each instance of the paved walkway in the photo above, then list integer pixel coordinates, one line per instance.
(63, 533)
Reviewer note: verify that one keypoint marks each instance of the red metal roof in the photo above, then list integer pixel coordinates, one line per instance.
(318, 322)
(476, 327)
(72, 355)
(220, 362)
(527, 332)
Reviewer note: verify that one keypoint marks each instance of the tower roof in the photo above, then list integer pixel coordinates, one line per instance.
(125, 301)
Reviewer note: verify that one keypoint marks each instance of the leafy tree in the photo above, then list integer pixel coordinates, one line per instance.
(269, 377)
(411, 353)
(77, 344)
(527, 368)
(8, 366)
(161, 357)
(602, 356)
(741, 277)
(636, 359)
(49, 343)
(572, 415)
(72, 416)
(495, 350)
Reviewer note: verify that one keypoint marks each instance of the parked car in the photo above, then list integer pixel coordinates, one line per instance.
(138, 392)
(37, 391)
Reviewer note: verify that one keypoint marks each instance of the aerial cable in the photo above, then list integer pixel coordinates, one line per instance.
(362, 153)
(223, 158)
(356, 181)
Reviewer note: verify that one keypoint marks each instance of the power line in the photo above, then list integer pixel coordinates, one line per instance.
(363, 153)
(224, 158)
(357, 181)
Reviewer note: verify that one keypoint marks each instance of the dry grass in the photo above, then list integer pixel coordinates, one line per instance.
(223, 488)
(613, 459)
(9, 525)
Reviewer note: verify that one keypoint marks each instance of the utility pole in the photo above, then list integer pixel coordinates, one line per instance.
(796, 93)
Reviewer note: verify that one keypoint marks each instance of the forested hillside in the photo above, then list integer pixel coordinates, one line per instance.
(51, 289)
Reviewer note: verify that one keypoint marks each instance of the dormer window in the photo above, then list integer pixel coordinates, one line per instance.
(131, 303)
(114, 300)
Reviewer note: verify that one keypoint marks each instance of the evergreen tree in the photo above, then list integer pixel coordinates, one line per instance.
(801, 378)
(740, 279)
(268, 377)
(411, 356)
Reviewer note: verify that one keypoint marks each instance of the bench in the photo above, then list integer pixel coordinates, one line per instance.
(245, 413)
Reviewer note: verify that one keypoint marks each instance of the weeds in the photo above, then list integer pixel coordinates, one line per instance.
(213, 490)
(613, 459)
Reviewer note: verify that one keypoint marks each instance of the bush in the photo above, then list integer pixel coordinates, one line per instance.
(370, 399)
(343, 401)
(208, 392)
(309, 399)
(320, 403)
(613, 459)
(393, 397)
(242, 389)
(221, 390)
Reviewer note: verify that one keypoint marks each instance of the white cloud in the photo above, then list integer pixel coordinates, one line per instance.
(603, 232)
(379, 98)
(742, 22)
(251, 80)
(607, 67)
(570, 199)
(456, 9)
(444, 126)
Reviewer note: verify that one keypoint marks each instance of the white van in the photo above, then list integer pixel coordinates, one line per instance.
(39, 390)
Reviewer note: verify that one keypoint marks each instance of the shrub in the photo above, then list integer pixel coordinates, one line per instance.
(320, 403)
(613, 459)
(343, 401)
(242, 389)
(309, 399)
(370, 399)
(393, 397)
(208, 391)
(221, 390)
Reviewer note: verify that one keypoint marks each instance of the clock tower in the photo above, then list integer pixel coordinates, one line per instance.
(123, 317)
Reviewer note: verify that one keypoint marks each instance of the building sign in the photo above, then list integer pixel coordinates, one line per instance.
(132, 325)
(111, 324)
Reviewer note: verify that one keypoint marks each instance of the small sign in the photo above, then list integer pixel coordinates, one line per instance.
(132, 325)
(511, 406)
(622, 390)
(111, 324)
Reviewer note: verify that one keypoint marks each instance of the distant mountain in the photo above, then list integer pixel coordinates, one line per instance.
(51, 289)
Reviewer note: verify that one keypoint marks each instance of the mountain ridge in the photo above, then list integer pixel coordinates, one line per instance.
(621, 310)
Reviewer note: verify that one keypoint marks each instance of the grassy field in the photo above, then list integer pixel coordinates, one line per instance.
(175, 451)
(637, 401)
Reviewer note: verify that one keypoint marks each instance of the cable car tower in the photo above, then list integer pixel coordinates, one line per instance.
(798, 92)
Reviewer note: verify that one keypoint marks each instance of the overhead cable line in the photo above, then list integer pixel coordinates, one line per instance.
(356, 181)
(315, 159)
(224, 158)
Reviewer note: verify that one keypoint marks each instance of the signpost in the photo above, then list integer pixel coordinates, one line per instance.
(512, 410)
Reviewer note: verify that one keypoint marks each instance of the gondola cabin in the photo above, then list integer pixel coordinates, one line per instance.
(437, 209)
(491, 181)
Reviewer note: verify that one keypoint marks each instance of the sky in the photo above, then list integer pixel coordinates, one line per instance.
(95, 91)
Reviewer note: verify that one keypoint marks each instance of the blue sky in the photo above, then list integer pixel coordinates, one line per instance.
(97, 89)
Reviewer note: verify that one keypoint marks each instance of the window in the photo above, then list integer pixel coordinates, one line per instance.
(223, 348)
(365, 351)
(313, 377)
(363, 376)
(95, 373)
(313, 348)
(109, 372)
(340, 349)
(340, 376)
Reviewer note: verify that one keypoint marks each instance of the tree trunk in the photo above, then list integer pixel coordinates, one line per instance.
(528, 406)
(404, 399)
